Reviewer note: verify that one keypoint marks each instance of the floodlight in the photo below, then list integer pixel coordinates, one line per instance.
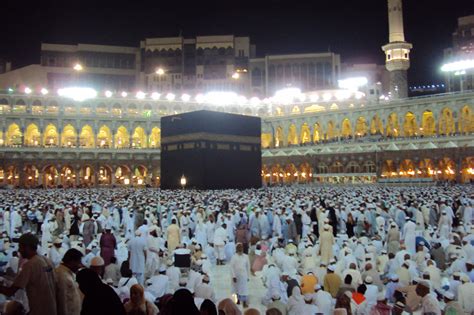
(78, 93)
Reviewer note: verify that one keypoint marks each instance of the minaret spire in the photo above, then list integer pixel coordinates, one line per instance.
(397, 51)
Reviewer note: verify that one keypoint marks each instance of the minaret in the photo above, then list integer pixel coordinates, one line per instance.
(397, 51)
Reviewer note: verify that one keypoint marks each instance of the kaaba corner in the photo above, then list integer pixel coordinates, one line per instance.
(211, 150)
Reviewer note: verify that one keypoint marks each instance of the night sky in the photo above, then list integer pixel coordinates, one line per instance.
(355, 29)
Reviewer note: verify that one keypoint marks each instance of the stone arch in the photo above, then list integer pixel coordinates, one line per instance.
(336, 167)
(276, 173)
(31, 176)
(69, 136)
(346, 128)
(353, 167)
(32, 136)
(305, 134)
(13, 135)
(446, 122)
(117, 110)
(428, 124)
(104, 175)
(37, 107)
(292, 135)
(447, 169)
(393, 127)
(155, 138)
(122, 138)
(86, 175)
(267, 140)
(85, 109)
(318, 133)
(361, 127)
(67, 176)
(369, 167)
(162, 109)
(376, 126)
(140, 176)
(132, 110)
(305, 172)
(104, 137)
(4, 106)
(467, 170)
(122, 175)
(19, 106)
(12, 175)
(322, 168)
(407, 168)
(426, 168)
(102, 109)
(291, 173)
(296, 110)
(466, 120)
(279, 111)
(389, 169)
(50, 176)
(50, 135)
(410, 126)
(86, 137)
(279, 137)
(139, 138)
(331, 131)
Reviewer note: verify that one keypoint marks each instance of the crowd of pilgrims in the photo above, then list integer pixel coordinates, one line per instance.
(317, 250)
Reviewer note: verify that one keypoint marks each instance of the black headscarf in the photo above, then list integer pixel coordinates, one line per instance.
(208, 308)
(99, 298)
(183, 303)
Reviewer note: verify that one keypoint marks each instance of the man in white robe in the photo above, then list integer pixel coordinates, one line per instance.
(409, 236)
(220, 239)
(137, 248)
(240, 270)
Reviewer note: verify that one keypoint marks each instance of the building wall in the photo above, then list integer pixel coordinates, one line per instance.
(462, 49)
(50, 138)
(309, 72)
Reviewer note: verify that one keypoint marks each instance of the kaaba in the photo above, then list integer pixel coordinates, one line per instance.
(211, 150)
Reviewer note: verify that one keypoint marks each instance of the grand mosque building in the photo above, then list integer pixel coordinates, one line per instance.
(330, 128)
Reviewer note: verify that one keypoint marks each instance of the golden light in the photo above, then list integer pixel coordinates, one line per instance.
(126, 181)
(183, 181)
(78, 67)
(140, 181)
(235, 75)
(160, 71)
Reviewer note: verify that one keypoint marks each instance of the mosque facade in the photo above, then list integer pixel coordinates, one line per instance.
(52, 140)
(335, 136)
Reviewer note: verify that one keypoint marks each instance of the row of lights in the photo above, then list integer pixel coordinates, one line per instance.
(285, 96)
(303, 174)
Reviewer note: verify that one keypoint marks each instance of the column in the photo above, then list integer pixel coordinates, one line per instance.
(60, 140)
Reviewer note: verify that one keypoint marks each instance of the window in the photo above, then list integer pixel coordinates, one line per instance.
(389, 57)
(372, 92)
(406, 56)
